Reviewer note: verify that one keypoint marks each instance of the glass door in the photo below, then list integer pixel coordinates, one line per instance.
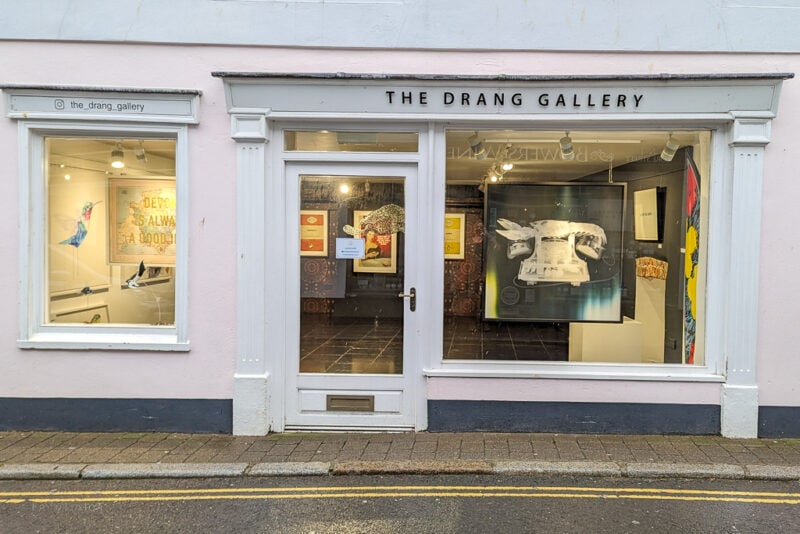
(354, 295)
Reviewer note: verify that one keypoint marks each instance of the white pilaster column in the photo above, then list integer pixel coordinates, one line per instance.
(740, 392)
(250, 386)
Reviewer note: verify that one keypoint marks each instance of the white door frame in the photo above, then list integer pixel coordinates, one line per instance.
(394, 395)
(260, 376)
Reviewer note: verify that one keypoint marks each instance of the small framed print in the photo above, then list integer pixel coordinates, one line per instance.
(380, 250)
(454, 236)
(648, 214)
(313, 233)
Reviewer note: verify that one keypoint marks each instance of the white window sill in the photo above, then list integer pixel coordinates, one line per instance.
(576, 371)
(104, 341)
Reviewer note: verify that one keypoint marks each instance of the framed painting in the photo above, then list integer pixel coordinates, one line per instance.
(380, 250)
(313, 233)
(141, 221)
(454, 236)
(554, 252)
(648, 214)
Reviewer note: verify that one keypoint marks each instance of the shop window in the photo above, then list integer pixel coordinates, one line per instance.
(581, 246)
(107, 265)
(346, 141)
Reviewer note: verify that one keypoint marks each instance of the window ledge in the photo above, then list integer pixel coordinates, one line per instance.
(82, 341)
(661, 373)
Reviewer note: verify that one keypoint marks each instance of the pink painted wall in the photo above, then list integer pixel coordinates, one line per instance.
(207, 371)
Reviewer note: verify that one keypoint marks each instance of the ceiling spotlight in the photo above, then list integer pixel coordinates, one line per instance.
(565, 143)
(476, 144)
(670, 148)
(505, 162)
(344, 188)
(495, 175)
(118, 157)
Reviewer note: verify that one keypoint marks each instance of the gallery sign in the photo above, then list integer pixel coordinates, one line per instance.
(477, 99)
(288, 95)
(47, 103)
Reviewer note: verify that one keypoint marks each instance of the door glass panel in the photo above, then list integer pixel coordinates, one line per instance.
(351, 317)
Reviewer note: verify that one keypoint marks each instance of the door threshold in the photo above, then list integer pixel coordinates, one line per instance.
(346, 429)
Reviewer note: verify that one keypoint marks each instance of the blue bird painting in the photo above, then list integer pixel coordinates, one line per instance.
(80, 226)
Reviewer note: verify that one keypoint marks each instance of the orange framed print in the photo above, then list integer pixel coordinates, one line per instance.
(454, 236)
(313, 233)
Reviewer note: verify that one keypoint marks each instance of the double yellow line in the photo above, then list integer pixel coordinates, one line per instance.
(344, 492)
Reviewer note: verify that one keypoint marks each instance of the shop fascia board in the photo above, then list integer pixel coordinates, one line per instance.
(299, 96)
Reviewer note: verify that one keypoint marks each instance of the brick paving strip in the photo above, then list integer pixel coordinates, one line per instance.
(54, 455)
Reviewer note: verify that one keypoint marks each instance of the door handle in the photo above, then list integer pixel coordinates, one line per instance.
(412, 298)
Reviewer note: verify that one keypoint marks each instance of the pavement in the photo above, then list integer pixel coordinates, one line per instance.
(94, 455)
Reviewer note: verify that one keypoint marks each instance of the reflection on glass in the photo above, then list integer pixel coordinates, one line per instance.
(352, 232)
(563, 259)
(327, 141)
(111, 231)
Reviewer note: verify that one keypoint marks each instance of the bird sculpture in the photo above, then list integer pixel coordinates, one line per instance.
(133, 280)
(80, 226)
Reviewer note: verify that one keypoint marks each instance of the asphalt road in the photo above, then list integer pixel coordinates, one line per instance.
(389, 504)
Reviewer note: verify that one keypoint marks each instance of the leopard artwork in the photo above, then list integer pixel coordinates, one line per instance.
(385, 220)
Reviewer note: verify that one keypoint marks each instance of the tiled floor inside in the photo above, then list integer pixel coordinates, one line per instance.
(352, 346)
(468, 338)
(375, 346)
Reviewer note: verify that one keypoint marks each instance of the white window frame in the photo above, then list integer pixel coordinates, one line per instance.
(33, 332)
